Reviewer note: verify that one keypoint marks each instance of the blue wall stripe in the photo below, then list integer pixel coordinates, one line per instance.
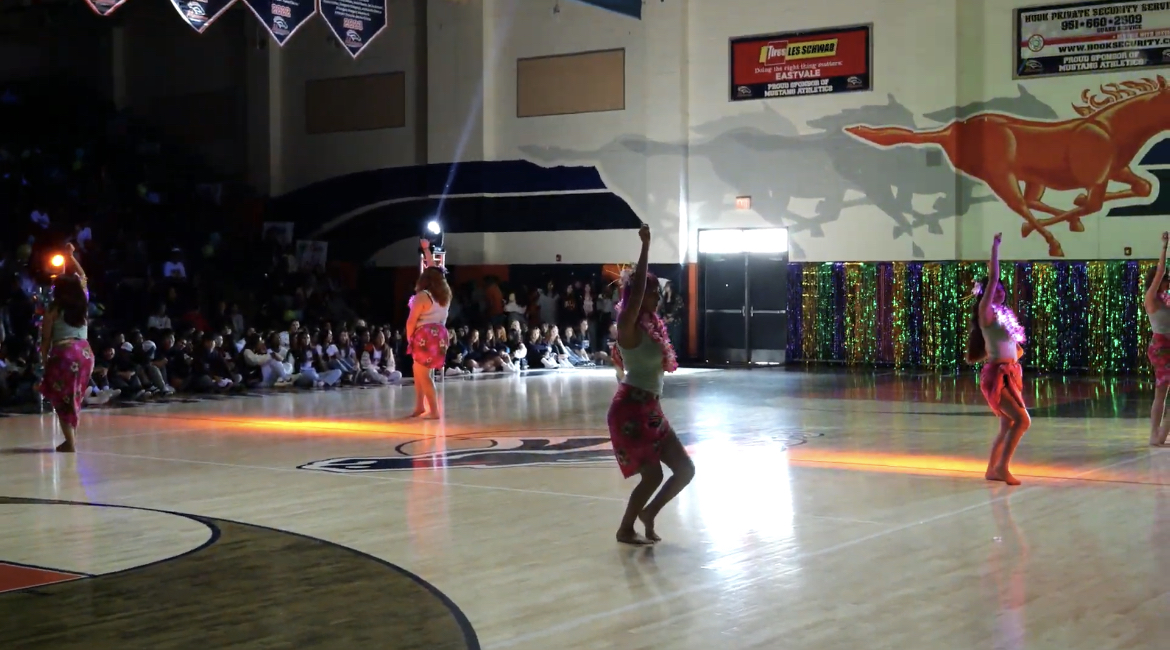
(361, 237)
(631, 8)
(327, 199)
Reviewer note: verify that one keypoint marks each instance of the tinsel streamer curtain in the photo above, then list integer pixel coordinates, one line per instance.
(808, 313)
(914, 317)
(1106, 316)
(1077, 315)
(1043, 347)
(827, 314)
(838, 280)
(885, 324)
(1135, 314)
(1145, 269)
(1073, 308)
(933, 317)
(794, 348)
(898, 320)
(860, 312)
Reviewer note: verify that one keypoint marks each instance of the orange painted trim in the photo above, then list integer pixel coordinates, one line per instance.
(15, 577)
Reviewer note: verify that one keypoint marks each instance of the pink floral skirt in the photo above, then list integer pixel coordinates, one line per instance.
(428, 345)
(637, 428)
(1159, 354)
(998, 376)
(66, 380)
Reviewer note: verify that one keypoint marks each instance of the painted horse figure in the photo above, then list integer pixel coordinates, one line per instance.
(1085, 153)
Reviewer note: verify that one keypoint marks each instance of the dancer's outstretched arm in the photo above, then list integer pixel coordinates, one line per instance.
(1152, 300)
(988, 299)
(428, 256)
(628, 335)
(72, 263)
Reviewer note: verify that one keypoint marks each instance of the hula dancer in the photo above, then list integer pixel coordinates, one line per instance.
(997, 337)
(1157, 304)
(65, 349)
(642, 438)
(426, 331)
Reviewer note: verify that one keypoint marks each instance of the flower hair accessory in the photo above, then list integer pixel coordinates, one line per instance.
(976, 291)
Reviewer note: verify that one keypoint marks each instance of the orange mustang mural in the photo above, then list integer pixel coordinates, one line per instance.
(1079, 154)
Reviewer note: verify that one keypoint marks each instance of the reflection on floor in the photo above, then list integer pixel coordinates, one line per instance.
(838, 509)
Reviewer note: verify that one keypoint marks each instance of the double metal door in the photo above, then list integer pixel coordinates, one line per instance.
(745, 311)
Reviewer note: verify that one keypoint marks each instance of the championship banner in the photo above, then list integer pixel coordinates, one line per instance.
(354, 22)
(104, 7)
(1091, 37)
(282, 18)
(199, 14)
(801, 63)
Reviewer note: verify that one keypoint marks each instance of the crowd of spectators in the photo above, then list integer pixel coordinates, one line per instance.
(185, 300)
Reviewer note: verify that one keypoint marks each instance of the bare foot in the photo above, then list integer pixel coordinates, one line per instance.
(418, 413)
(1002, 475)
(66, 448)
(648, 521)
(632, 538)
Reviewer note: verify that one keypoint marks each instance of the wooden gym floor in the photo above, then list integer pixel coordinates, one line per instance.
(830, 510)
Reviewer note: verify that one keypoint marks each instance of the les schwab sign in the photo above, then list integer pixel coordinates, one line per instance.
(794, 64)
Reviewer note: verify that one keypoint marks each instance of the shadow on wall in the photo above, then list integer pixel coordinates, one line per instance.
(758, 154)
(761, 154)
(855, 160)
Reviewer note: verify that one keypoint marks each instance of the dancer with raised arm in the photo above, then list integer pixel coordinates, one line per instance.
(1157, 304)
(426, 332)
(642, 438)
(65, 349)
(996, 337)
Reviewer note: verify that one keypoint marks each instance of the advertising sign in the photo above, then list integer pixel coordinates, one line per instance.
(1091, 37)
(282, 18)
(801, 63)
(199, 14)
(354, 22)
(104, 7)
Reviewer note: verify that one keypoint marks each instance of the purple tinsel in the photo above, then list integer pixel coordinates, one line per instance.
(795, 306)
(838, 351)
(914, 318)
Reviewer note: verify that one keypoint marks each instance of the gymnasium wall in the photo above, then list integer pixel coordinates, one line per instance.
(314, 54)
(842, 198)
(571, 188)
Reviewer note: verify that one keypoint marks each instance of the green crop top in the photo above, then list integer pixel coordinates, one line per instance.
(63, 330)
(643, 365)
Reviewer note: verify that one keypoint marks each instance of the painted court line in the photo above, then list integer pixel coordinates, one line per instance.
(574, 623)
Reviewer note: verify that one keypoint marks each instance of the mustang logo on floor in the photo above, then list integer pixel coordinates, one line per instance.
(507, 452)
(488, 453)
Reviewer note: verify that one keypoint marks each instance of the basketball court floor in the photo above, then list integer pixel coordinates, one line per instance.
(830, 510)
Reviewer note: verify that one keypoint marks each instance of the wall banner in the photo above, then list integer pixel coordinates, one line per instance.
(199, 14)
(104, 7)
(282, 18)
(355, 22)
(801, 63)
(1091, 37)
